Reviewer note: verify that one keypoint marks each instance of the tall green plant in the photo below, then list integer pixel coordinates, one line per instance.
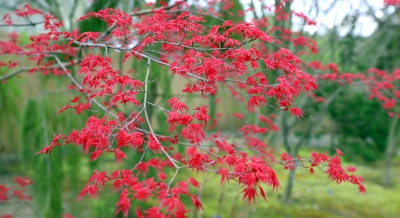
(46, 171)
(9, 116)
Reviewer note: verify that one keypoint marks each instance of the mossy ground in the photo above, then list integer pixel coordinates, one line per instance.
(313, 196)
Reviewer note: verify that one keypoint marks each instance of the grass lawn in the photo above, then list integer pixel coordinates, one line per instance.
(313, 196)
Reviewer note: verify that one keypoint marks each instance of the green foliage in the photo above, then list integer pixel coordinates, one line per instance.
(55, 173)
(32, 134)
(9, 115)
(45, 170)
(227, 14)
(23, 38)
(361, 124)
(92, 24)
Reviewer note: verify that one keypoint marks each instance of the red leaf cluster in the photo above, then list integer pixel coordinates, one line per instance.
(233, 58)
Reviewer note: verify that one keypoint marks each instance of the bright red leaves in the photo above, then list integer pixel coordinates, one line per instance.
(231, 55)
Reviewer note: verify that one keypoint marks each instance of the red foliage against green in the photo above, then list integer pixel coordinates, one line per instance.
(381, 84)
(9, 193)
(235, 56)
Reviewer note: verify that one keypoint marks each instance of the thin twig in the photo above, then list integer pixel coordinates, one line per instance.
(21, 24)
(147, 117)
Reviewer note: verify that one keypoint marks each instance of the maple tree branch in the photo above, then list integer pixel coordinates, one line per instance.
(293, 162)
(133, 119)
(173, 178)
(80, 87)
(173, 161)
(145, 111)
(150, 11)
(67, 72)
(244, 82)
(161, 108)
(114, 115)
(243, 95)
(88, 44)
(143, 12)
(10, 75)
(26, 69)
(203, 49)
(21, 24)
(391, 95)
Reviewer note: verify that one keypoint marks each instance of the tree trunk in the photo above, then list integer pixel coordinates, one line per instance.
(390, 152)
(287, 198)
(294, 150)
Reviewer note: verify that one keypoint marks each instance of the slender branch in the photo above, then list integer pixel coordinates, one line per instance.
(147, 117)
(16, 72)
(26, 69)
(21, 24)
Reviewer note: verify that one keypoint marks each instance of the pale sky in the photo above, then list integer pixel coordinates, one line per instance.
(335, 15)
(365, 24)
